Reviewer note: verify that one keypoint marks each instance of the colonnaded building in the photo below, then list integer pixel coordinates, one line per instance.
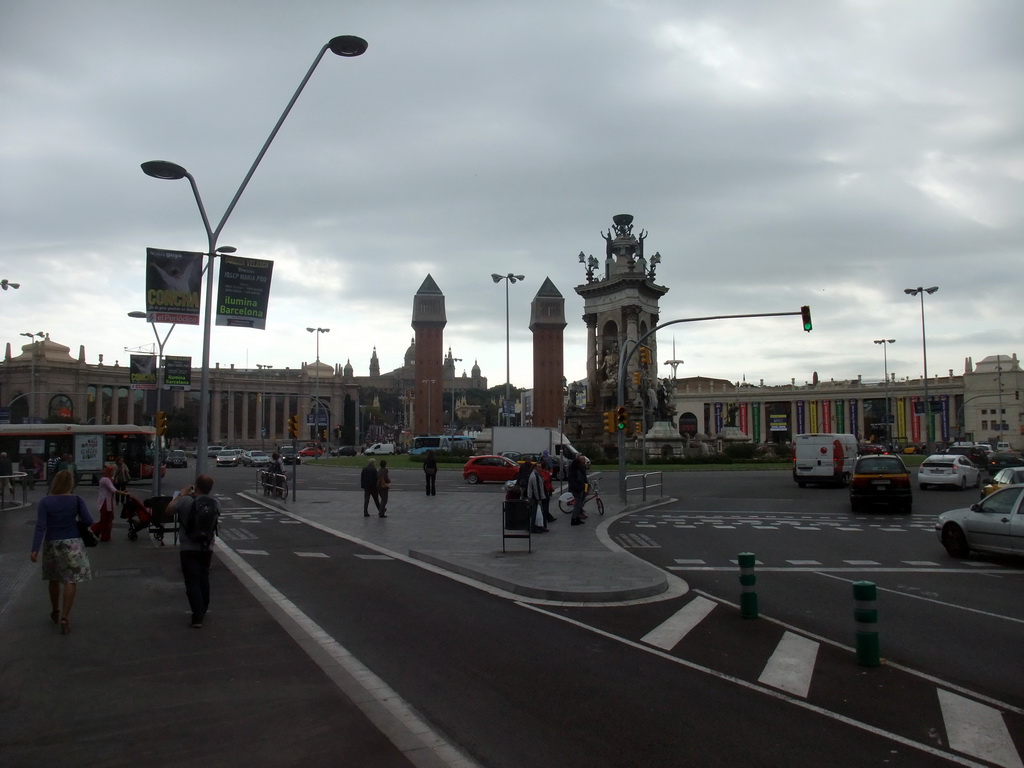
(44, 382)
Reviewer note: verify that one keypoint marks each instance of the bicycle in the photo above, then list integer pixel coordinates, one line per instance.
(567, 501)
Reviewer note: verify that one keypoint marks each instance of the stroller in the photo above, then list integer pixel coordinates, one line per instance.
(151, 513)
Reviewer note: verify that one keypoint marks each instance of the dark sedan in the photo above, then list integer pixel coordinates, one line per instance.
(998, 461)
(176, 459)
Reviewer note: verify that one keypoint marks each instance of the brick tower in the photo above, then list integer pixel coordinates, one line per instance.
(547, 322)
(429, 320)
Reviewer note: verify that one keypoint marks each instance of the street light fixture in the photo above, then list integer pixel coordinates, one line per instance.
(32, 372)
(5, 284)
(344, 45)
(263, 406)
(885, 362)
(159, 391)
(509, 278)
(454, 360)
(919, 291)
(316, 391)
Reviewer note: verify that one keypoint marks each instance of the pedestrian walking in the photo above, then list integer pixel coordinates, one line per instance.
(6, 474)
(197, 512)
(105, 500)
(577, 479)
(368, 482)
(121, 474)
(383, 486)
(430, 471)
(549, 489)
(65, 563)
(535, 492)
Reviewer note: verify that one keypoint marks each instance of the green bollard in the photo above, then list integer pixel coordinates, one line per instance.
(865, 617)
(748, 597)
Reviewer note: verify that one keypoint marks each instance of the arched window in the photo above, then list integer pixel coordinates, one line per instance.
(61, 408)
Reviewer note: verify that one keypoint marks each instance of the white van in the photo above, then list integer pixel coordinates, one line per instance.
(1003, 447)
(824, 458)
(380, 449)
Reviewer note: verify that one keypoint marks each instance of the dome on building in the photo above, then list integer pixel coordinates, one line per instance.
(410, 354)
(349, 371)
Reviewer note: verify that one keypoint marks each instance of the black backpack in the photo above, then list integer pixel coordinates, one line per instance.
(200, 521)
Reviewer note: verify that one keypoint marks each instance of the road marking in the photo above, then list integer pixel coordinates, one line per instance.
(689, 562)
(791, 665)
(803, 562)
(668, 634)
(311, 554)
(977, 730)
(861, 562)
(921, 562)
(374, 557)
(252, 552)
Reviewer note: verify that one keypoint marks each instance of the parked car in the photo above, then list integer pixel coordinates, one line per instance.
(345, 450)
(255, 458)
(1006, 476)
(949, 469)
(998, 461)
(880, 480)
(288, 455)
(176, 459)
(213, 450)
(231, 457)
(872, 448)
(994, 524)
(489, 469)
(1003, 448)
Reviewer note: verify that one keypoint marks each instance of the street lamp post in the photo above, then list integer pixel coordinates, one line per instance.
(509, 278)
(885, 362)
(919, 291)
(159, 392)
(263, 407)
(316, 390)
(32, 373)
(345, 45)
(454, 360)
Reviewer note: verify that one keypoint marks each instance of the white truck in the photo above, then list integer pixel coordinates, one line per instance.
(532, 441)
(824, 458)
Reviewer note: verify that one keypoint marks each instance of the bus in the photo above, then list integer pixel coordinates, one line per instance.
(91, 445)
(435, 443)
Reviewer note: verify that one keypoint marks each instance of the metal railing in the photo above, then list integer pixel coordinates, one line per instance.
(643, 483)
(272, 484)
(11, 481)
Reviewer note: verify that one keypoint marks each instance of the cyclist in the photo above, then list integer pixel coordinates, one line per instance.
(577, 478)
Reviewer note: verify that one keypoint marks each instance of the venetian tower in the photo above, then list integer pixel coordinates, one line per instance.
(429, 320)
(547, 322)
(620, 304)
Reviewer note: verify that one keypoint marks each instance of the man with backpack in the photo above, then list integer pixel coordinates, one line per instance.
(197, 513)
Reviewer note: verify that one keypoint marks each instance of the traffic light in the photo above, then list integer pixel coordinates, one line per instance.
(805, 314)
(636, 378)
(293, 426)
(161, 423)
(621, 418)
(645, 355)
(609, 421)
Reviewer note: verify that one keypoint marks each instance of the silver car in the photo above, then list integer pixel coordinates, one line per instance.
(994, 524)
(949, 469)
(231, 457)
(255, 458)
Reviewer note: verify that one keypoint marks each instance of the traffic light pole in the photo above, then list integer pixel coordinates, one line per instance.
(626, 354)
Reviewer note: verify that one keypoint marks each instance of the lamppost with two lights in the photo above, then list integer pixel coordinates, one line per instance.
(919, 291)
(159, 392)
(346, 46)
(885, 362)
(316, 390)
(263, 406)
(32, 373)
(509, 278)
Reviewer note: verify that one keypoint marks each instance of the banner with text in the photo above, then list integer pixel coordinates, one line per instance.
(243, 292)
(143, 372)
(173, 282)
(178, 372)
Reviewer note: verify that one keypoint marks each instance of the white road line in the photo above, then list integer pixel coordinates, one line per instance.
(311, 554)
(791, 665)
(668, 634)
(804, 562)
(252, 552)
(374, 557)
(977, 730)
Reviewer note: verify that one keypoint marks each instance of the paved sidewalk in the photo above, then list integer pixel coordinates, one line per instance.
(462, 533)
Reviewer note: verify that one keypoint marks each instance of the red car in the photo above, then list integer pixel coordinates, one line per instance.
(310, 451)
(489, 469)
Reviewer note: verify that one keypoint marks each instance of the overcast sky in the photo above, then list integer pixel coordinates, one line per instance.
(777, 153)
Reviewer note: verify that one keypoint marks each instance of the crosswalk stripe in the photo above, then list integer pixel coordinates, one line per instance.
(978, 730)
(668, 634)
(791, 665)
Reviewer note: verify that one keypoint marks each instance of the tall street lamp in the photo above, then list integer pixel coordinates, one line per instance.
(316, 391)
(885, 362)
(345, 45)
(32, 373)
(509, 278)
(159, 392)
(5, 284)
(919, 291)
(263, 406)
(454, 360)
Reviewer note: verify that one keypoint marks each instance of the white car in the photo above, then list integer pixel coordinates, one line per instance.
(255, 458)
(949, 469)
(994, 524)
(230, 457)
